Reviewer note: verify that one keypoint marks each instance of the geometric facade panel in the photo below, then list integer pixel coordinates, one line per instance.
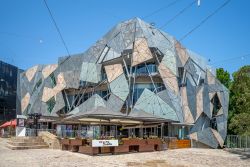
(90, 72)
(113, 71)
(188, 117)
(207, 137)
(169, 79)
(30, 73)
(199, 105)
(173, 101)
(221, 122)
(92, 103)
(153, 104)
(114, 103)
(25, 101)
(218, 137)
(207, 105)
(48, 70)
(210, 78)
(48, 93)
(141, 52)
(119, 87)
(194, 136)
(111, 54)
(72, 78)
(182, 53)
(169, 60)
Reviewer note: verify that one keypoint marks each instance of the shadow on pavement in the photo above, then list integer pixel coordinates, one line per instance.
(244, 153)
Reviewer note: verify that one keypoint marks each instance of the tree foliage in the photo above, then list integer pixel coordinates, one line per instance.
(223, 76)
(239, 106)
(239, 100)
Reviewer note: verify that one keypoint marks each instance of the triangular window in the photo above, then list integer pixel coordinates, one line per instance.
(216, 105)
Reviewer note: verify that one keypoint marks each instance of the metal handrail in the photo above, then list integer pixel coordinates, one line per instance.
(237, 141)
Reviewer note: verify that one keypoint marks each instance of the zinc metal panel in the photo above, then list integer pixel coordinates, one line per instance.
(119, 87)
(90, 72)
(115, 103)
(206, 137)
(151, 103)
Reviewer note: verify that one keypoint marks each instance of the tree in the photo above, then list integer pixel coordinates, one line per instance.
(223, 76)
(239, 106)
(240, 124)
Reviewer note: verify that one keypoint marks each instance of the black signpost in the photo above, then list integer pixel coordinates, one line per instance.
(35, 117)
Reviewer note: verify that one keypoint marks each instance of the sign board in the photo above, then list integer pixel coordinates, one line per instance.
(20, 127)
(104, 143)
(21, 116)
(20, 131)
(20, 122)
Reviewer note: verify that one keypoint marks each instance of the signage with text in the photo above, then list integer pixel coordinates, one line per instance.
(104, 143)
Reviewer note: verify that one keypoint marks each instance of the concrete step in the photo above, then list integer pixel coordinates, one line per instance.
(26, 143)
(27, 140)
(26, 137)
(21, 143)
(27, 147)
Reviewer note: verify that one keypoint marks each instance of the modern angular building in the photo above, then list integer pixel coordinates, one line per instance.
(135, 72)
(8, 89)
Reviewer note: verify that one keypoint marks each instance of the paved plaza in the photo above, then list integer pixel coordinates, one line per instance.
(170, 158)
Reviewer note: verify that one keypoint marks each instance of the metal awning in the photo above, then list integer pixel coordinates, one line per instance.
(145, 116)
(105, 115)
(99, 112)
(182, 124)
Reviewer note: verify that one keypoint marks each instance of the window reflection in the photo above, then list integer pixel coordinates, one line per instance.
(142, 69)
(139, 88)
(145, 69)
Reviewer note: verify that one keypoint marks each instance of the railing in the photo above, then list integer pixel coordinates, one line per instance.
(85, 134)
(236, 141)
(72, 133)
(32, 132)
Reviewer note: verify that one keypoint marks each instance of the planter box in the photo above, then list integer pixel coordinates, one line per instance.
(105, 150)
(76, 142)
(65, 141)
(183, 143)
(164, 146)
(133, 148)
(154, 141)
(173, 144)
(160, 147)
(65, 144)
(66, 147)
(121, 149)
(88, 150)
(146, 148)
(134, 142)
(74, 148)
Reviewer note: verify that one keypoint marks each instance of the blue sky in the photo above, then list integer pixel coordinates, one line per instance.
(82, 22)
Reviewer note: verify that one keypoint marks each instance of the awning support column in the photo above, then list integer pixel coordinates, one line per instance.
(162, 126)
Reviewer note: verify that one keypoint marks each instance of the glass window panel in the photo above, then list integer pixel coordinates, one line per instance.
(51, 104)
(37, 85)
(52, 79)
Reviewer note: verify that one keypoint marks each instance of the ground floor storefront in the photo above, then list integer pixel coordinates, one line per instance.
(101, 134)
(115, 138)
(108, 131)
